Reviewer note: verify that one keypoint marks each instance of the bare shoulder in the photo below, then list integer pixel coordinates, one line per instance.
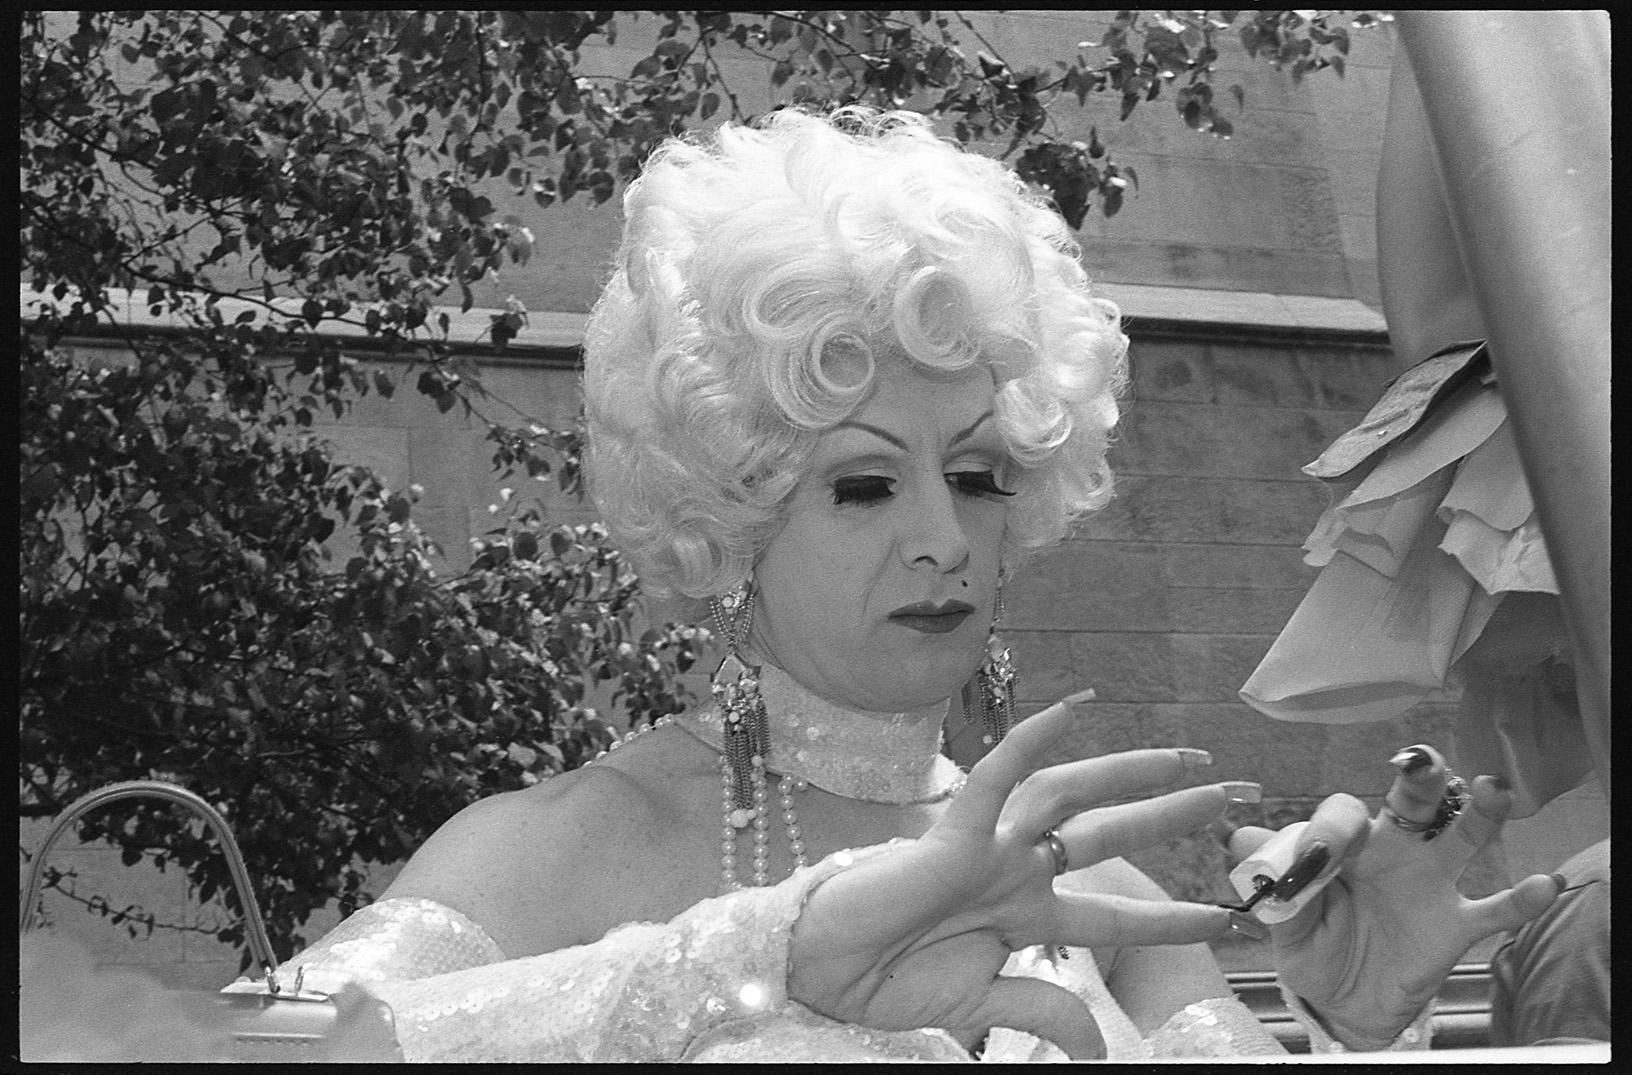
(562, 862)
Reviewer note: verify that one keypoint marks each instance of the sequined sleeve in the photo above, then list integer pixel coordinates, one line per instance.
(1223, 1026)
(1218, 1026)
(644, 992)
(394, 939)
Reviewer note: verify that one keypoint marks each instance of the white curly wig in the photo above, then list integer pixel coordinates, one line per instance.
(765, 271)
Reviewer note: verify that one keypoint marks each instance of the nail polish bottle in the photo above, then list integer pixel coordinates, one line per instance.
(1268, 866)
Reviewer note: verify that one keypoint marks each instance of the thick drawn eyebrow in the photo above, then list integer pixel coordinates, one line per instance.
(886, 435)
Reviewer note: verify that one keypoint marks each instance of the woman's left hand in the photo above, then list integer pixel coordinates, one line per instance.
(917, 934)
(1371, 949)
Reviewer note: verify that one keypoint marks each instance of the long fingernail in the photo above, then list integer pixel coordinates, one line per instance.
(1559, 880)
(1193, 759)
(1247, 926)
(1243, 791)
(1087, 695)
(1411, 760)
(1305, 869)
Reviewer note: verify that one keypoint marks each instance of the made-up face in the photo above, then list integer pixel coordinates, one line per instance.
(878, 592)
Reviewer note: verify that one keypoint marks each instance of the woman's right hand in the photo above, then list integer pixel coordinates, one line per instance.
(917, 936)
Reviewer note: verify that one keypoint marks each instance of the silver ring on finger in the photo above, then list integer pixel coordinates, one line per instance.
(1451, 805)
(1056, 848)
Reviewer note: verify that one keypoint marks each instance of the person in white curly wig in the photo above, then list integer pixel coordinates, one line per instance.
(843, 377)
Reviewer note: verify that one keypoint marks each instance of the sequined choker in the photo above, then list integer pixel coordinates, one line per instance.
(874, 757)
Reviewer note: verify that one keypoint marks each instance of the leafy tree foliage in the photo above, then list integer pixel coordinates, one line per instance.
(179, 614)
(179, 620)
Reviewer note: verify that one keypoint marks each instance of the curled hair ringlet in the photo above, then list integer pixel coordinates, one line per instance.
(764, 274)
(929, 319)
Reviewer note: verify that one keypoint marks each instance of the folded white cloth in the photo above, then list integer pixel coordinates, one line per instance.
(1432, 526)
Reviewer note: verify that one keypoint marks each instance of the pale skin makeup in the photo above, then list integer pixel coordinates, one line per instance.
(878, 592)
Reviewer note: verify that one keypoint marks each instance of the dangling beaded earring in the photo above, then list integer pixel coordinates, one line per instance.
(747, 739)
(991, 690)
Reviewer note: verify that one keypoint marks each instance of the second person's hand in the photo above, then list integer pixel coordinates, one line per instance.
(1370, 950)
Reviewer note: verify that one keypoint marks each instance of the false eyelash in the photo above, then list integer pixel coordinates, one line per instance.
(863, 490)
(979, 481)
(870, 489)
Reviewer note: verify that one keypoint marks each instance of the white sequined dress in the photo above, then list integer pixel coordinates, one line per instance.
(707, 986)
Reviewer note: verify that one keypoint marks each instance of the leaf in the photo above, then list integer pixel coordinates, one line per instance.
(164, 105)
(1250, 39)
(501, 329)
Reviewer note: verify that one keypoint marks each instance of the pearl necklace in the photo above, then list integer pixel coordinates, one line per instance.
(869, 756)
(892, 758)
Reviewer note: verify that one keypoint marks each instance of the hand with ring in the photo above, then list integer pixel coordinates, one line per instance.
(917, 936)
(1370, 949)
